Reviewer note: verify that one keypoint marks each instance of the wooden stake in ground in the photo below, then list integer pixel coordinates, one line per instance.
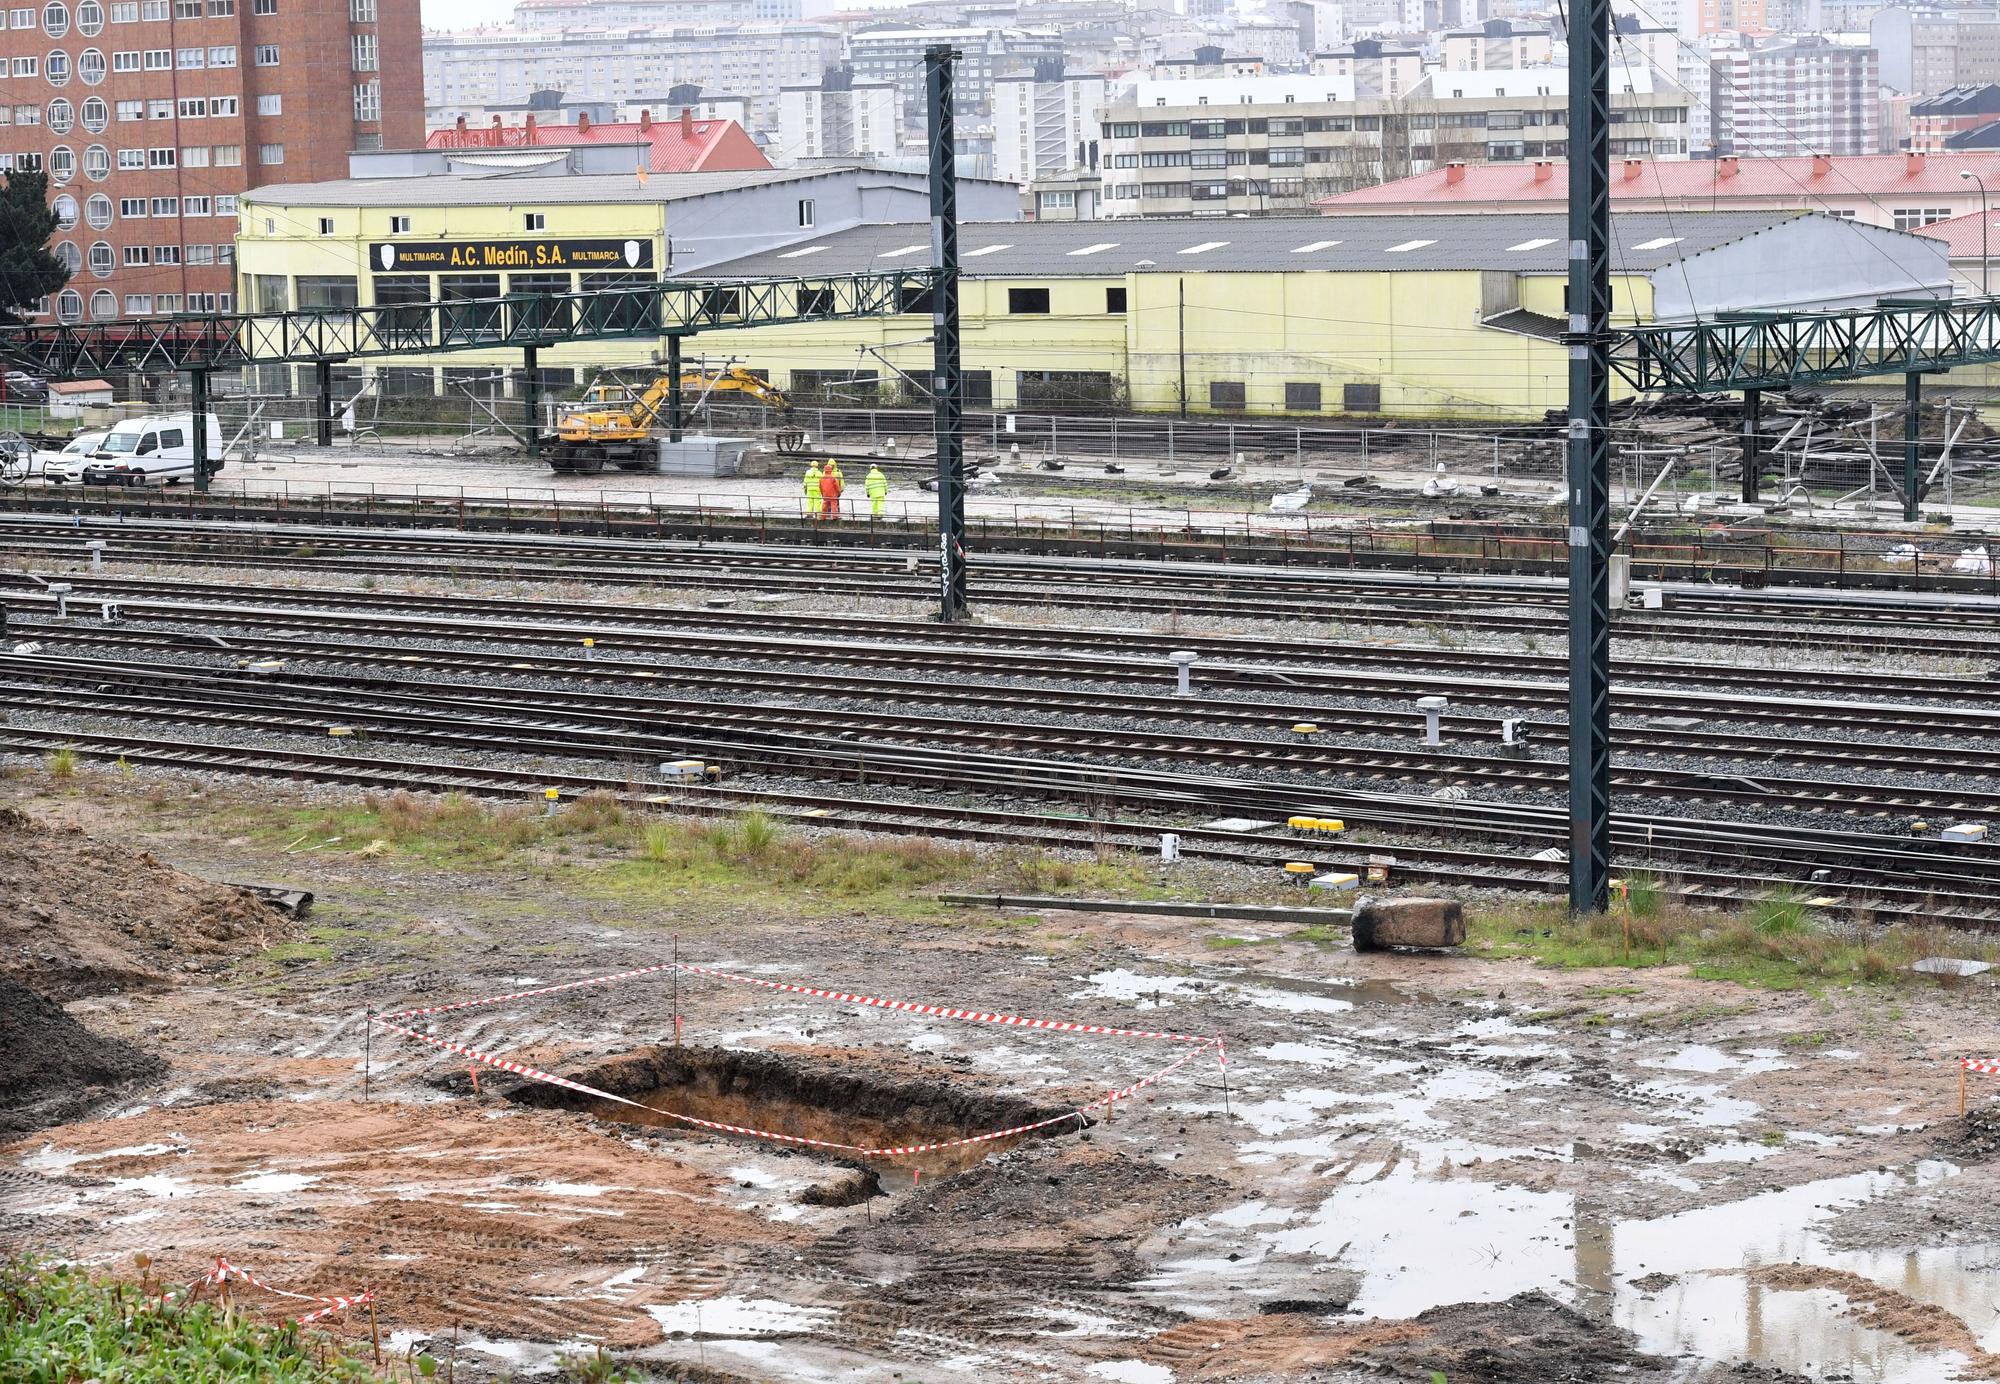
(367, 1050)
(677, 989)
(374, 1329)
(1961, 1088)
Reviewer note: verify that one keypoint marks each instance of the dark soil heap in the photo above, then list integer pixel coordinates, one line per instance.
(52, 1067)
(81, 917)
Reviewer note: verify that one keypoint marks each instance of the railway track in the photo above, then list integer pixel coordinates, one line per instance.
(1521, 606)
(1891, 873)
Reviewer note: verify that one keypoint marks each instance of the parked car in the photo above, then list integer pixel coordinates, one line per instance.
(23, 388)
(158, 450)
(66, 465)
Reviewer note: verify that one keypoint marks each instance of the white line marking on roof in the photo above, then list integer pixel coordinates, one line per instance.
(988, 249)
(1660, 244)
(1204, 247)
(1312, 245)
(1093, 249)
(899, 253)
(1408, 245)
(1534, 244)
(809, 250)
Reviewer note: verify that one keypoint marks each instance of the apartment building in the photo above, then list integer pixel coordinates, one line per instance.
(1279, 147)
(1378, 68)
(838, 117)
(1498, 44)
(1926, 51)
(897, 55)
(647, 14)
(1954, 111)
(1809, 96)
(152, 117)
(470, 73)
(1045, 122)
(1732, 16)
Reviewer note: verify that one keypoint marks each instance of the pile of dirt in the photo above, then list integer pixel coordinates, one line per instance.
(1974, 1139)
(1529, 1336)
(79, 916)
(52, 1068)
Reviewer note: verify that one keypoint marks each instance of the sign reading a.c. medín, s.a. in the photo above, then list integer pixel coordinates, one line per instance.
(448, 255)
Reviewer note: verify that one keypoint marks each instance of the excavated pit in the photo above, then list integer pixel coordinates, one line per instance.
(859, 1097)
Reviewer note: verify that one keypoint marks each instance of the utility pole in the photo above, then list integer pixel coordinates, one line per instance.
(1589, 455)
(948, 382)
(1181, 339)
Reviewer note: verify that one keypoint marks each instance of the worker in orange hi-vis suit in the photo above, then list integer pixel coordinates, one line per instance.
(830, 487)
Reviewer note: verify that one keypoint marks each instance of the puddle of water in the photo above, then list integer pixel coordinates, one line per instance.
(1705, 1106)
(273, 1182)
(1699, 1057)
(1141, 992)
(739, 1316)
(571, 1189)
(156, 1185)
(1130, 1372)
(50, 1159)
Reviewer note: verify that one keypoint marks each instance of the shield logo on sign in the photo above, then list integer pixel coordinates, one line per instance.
(388, 256)
(632, 254)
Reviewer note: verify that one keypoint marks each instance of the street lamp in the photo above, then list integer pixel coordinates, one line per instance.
(1985, 221)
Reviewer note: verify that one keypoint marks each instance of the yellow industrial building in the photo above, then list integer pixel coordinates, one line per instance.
(1401, 316)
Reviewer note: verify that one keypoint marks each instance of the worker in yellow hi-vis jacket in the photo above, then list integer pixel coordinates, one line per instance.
(877, 486)
(814, 502)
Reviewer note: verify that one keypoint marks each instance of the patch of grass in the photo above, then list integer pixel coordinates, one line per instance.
(1772, 1138)
(59, 1323)
(1321, 934)
(1231, 943)
(62, 763)
(454, 829)
(1777, 943)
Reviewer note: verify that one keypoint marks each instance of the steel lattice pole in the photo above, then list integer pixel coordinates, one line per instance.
(1589, 455)
(948, 382)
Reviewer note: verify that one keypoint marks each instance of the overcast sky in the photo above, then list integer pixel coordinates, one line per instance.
(463, 14)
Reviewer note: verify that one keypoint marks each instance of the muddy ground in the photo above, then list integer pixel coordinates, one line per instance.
(1420, 1163)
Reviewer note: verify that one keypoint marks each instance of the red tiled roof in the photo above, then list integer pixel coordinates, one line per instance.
(1962, 234)
(1797, 179)
(707, 146)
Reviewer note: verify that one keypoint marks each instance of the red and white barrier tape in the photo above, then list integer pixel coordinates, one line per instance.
(943, 1012)
(224, 1271)
(1974, 1064)
(529, 994)
(536, 1074)
(935, 1011)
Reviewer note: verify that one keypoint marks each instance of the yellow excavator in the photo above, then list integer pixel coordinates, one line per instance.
(614, 426)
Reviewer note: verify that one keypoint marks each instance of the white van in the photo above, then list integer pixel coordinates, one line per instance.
(67, 464)
(151, 451)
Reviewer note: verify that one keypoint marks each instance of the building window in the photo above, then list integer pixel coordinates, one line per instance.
(270, 153)
(97, 163)
(159, 59)
(193, 107)
(222, 105)
(100, 259)
(103, 306)
(191, 57)
(70, 256)
(167, 302)
(62, 116)
(368, 102)
(399, 225)
(131, 110)
(27, 67)
(125, 62)
(56, 70)
(131, 206)
(66, 212)
(187, 9)
(90, 66)
(535, 221)
(806, 211)
(223, 56)
(138, 304)
(194, 156)
(27, 115)
(1027, 300)
(96, 115)
(367, 56)
(1361, 398)
(326, 225)
(1114, 299)
(125, 11)
(1912, 218)
(166, 254)
(264, 7)
(55, 19)
(62, 163)
(162, 158)
(201, 254)
(69, 305)
(1301, 398)
(159, 109)
(225, 203)
(272, 104)
(361, 11)
(166, 206)
(1225, 394)
(194, 206)
(229, 156)
(130, 159)
(23, 19)
(267, 55)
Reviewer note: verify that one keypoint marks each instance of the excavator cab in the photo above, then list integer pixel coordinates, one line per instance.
(614, 425)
